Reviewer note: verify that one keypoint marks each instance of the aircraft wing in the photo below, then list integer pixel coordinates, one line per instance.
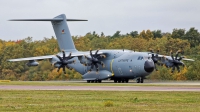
(74, 54)
(32, 58)
(169, 57)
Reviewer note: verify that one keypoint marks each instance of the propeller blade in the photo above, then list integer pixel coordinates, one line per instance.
(70, 62)
(70, 55)
(54, 63)
(180, 58)
(173, 68)
(64, 70)
(59, 58)
(97, 67)
(151, 51)
(172, 56)
(178, 68)
(91, 53)
(153, 56)
(63, 54)
(101, 63)
(58, 69)
(88, 58)
(96, 53)
(92, 65)
(177, 54)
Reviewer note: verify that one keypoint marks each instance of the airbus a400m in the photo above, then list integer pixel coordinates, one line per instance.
(95, 66)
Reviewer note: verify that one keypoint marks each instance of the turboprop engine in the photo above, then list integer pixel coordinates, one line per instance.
(54, 60)
(62, 62)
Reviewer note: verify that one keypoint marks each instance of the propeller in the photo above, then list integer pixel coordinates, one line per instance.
(176, 62)
(64, 61)
(155, 58)
(94, 60)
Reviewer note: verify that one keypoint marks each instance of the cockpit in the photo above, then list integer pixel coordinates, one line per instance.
(143, 58)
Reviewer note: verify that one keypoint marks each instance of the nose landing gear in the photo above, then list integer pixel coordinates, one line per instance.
(140, 80)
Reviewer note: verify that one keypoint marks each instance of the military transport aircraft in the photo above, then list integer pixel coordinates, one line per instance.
(95, 66)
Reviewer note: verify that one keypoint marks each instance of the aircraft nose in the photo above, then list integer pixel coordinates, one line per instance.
(149, 66)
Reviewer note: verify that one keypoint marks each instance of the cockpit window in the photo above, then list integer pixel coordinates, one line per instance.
(140, 58)
(144, 58)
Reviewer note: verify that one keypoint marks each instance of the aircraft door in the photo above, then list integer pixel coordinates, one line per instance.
(119, 70)
(85, 69)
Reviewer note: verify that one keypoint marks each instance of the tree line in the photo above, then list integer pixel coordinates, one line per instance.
(178, 39)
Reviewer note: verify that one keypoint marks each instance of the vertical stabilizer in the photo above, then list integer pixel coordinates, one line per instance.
(63, 35)
(61, 30)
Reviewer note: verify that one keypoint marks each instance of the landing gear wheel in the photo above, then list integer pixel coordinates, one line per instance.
(88, 81)
(115, 81)
(138, 80)
(92, 81)
(99, 81)
(126, 80)
(119, 81)
(141, 80)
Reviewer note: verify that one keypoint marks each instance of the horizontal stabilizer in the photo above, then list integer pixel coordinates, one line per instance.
(54, 19)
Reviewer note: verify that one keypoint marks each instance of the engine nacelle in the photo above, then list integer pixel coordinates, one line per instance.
(54, 60)
(32, 63)
(84, 60)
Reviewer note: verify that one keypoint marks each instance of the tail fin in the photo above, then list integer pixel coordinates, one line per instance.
(63, 35)
(61, 30)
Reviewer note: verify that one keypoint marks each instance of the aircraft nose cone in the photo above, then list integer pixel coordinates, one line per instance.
(149, 66)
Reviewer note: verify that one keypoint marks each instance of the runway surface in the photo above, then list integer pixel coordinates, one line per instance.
(100, 88)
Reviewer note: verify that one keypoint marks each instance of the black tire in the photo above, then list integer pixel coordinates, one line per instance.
(138, 80)
(119, 81)
(99, 81)
(115, 81)
(92, 81)
(142, 80)
(127, 80)
(88, 81)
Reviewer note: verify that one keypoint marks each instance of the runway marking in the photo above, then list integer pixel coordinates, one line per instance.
(99, 88)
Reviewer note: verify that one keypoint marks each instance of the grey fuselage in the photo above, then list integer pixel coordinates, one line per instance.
(121, 63)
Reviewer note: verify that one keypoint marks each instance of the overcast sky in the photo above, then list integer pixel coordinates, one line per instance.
(106, 16)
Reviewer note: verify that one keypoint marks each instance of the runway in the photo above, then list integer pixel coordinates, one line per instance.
(101, 88)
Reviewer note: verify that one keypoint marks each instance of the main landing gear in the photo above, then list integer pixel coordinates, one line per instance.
(140, 80)
(121, 80)
(93, 81)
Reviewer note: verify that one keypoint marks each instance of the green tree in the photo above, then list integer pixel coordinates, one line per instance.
(178, 33)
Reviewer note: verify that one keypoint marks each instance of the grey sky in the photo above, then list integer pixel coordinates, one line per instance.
(106, 16)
